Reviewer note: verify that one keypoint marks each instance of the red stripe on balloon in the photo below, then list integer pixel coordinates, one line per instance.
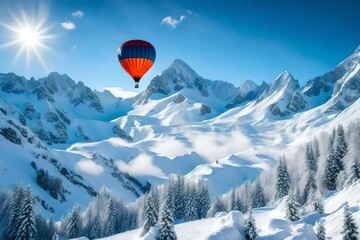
(136, 67)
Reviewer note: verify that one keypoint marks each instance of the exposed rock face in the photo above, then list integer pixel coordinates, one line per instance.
(121, 133)
(179, 98)
(22, 119)
(52, 117)
(297, 102)
(43, 134)
(10, 134)
(236, 101)
(276, 110)
(204, 109)
(84, 94)
(82, 134)
(30, 111)
(201, 86)
(157, 85)
(63, 116)
(248, 91)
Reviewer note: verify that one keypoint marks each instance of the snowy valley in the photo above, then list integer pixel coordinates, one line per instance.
(84, 152)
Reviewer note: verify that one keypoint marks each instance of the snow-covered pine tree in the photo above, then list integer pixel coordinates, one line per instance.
(41, 228)
(332, 139)
(191, 204)
(341, 147)
(320, 231)
(310, 186)
(216, 206)
(232, 201)
(74, 222)
(244, 196)
(14, 219)
(110, 224)
(45, 229)
(95, 230)
(179, 197)
(310, 201)
(258, 199)
(170, 189)
(349, 228)
(355, 171)
(292, 212)
(318, 205)
(332, 169)
(150, 214)
(166, 229)
(239, 204)
(316, 150)
(27, 228)
(156, 196)
(282, 179)
(250, 227)
(51, 229)
(311, 162)
(203, 199)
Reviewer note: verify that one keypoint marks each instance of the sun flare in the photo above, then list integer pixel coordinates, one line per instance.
(31, 36)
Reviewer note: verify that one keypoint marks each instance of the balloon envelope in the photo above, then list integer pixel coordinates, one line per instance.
(136, 57)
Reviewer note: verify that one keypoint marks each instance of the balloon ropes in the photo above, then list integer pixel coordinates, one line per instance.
(136, 57)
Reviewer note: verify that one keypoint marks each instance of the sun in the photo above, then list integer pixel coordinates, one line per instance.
(30, 36)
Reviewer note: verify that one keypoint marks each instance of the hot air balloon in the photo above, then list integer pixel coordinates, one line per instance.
(136, 57)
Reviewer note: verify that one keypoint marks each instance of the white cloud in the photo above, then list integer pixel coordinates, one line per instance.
(142, 165)
(78, 14)
(89, 167)
(68, 25)
(215, 146)
(172, 22)
(170, 147)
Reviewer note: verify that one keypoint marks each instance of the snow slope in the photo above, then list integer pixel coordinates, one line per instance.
(81, 175)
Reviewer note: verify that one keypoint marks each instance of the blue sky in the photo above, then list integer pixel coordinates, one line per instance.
(224, 40)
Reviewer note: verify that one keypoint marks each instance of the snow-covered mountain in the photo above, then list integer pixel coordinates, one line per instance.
(182, 123)
(59, 110)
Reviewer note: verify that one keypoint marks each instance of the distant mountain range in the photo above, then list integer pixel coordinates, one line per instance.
(180, 124)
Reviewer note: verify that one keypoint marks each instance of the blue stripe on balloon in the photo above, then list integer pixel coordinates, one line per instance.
(137, 51)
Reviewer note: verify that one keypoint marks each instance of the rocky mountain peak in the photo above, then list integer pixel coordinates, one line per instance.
(180, 74)
(248, 86)
(283, 79)
(56, 82)
(12, 83)
(173, 79)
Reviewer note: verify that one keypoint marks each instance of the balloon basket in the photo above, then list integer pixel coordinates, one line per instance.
(136, 85)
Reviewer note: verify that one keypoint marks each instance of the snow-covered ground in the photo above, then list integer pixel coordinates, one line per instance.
(270, 222)
(118, 92)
